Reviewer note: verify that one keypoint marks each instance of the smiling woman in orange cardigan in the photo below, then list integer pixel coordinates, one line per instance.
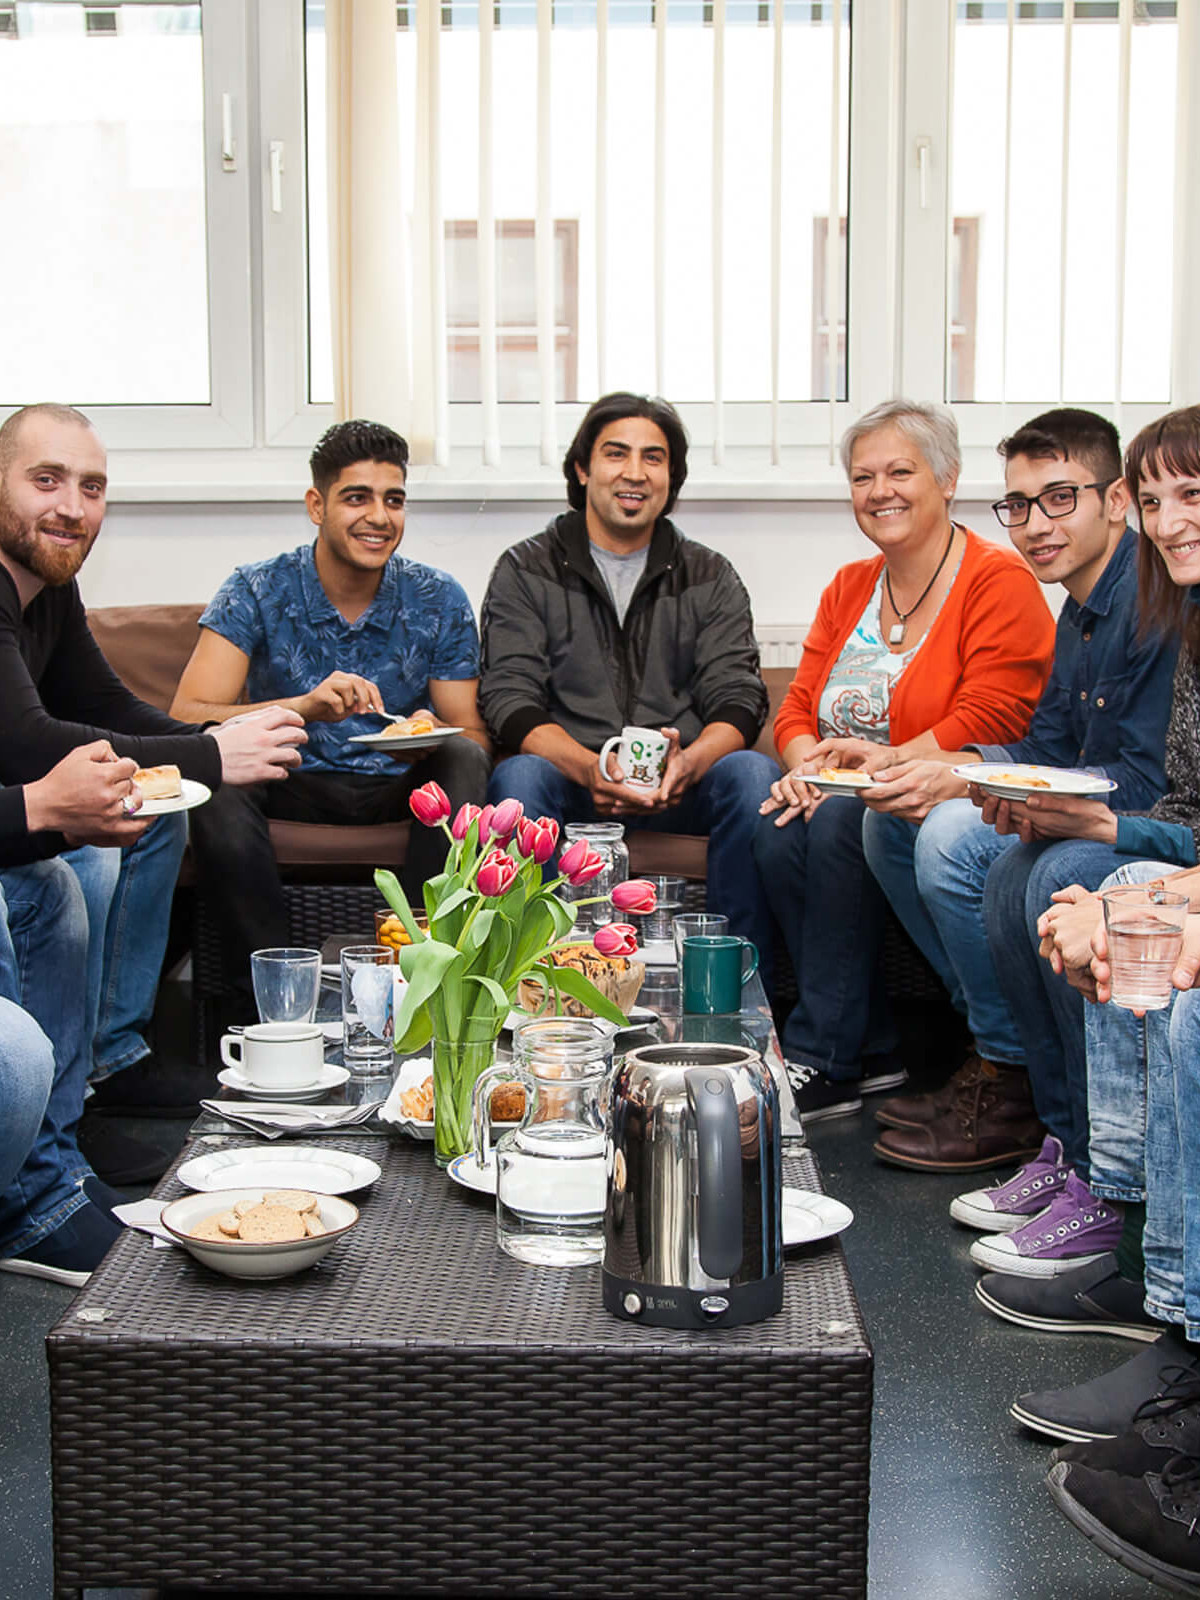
(941, 640)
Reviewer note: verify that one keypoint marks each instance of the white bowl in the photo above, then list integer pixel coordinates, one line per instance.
(238, 1260)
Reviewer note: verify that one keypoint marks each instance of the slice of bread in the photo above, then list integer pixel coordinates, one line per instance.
(159, 783)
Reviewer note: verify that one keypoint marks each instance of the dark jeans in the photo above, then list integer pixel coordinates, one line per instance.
(832, 913)
(236, 864)
(724, 805)
(1048, 1012)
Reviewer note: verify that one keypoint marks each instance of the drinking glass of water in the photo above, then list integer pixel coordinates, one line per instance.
(1144, 925)
(668, 893)
(287, 984)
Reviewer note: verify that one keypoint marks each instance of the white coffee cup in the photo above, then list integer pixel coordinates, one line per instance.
(276, 1055)
(642, 754)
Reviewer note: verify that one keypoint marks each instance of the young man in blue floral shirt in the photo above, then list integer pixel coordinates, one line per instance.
(341, 631)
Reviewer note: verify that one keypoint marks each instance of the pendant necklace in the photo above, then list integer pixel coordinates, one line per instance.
(896, 631)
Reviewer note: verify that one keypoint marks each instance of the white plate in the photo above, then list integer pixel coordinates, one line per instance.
(640, 1017)
(330, 1077)
(808, 1216)
(408, 741)
(1008, 780)
(287, 1166)
(467, 1171)
(846, 785)
(194, 794)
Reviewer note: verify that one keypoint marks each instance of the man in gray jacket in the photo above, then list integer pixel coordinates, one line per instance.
(610, 617)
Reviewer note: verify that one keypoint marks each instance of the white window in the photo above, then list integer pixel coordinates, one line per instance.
(1014, 183)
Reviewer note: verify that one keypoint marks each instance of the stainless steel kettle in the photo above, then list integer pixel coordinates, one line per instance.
(693, 1222)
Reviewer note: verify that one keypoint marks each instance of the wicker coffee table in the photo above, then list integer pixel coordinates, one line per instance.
(422, 1415)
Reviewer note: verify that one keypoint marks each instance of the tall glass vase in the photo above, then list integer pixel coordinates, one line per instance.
(457, 1065)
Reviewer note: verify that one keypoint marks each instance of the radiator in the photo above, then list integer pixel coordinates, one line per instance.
(779, 643)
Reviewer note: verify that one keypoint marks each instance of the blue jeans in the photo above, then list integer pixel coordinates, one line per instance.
(724, 805)
(128, 895)
(43, 956)
(934, 877)
(1047, 1011)
(832, 913)
(26, 1073)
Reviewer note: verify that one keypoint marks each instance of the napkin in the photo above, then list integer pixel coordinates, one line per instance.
(145, 1216)
(410, 1075)
(274, 1121)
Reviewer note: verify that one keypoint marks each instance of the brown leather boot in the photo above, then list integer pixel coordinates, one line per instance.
(991, 1123)
(918, 1110)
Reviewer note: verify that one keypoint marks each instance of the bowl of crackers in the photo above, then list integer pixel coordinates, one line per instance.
(258, 1233)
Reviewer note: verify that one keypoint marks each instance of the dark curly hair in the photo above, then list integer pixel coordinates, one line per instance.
(345, 443)
(1068, 431)
(612, 408)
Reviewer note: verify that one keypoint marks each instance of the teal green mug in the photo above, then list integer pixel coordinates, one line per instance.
(714, 969)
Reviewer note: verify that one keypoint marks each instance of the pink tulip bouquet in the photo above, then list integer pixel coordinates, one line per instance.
(492, 921)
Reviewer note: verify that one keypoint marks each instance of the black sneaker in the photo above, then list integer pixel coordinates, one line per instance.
(1091, 1299)
(1109, 1405)
(879, 1082)
(1150, 1524)
(819, 1097)
(151, 1088)
(71, 1253)
(1169, 1428)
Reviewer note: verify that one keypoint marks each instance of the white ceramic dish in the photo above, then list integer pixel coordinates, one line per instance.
(640, 1017)
(850, 784)
(410, 1075)
(330, 1077)
(237, 1260)
(1009, 780)
(280, 1166)
(808, 1216)
(409, 741)
(194, 794)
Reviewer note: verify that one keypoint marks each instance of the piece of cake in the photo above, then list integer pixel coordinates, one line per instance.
(159, 783)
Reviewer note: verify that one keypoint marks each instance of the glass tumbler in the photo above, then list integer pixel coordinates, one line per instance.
(287, 984)
(656, 928)
(367, 1007)
(608, 841)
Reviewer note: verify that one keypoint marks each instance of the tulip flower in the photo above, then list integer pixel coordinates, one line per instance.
(579, 863)
(536, 840)
(616, 939)
(466, 816)
(430, 804)
(636, 895)
(550, 825)
(496, 873)
(505, 818)
(485, 823)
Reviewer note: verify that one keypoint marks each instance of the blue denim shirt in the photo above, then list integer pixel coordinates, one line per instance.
(1109, 696)
(419, 626)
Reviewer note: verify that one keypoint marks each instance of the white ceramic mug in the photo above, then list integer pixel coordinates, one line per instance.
(642, 754)
(277, 1055)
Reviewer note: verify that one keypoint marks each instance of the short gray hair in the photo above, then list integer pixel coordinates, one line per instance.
(932, 429)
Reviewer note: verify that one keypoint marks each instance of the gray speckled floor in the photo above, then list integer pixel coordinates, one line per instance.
(958, 1508)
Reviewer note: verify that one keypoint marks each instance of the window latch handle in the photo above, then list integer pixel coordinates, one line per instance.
(924, 145)
(275, 162)
(228, 146)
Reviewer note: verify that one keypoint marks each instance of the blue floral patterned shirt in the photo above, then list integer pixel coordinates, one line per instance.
(419, 626)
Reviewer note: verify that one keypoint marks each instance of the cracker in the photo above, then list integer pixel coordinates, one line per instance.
(227, 1222)
(313, 1226)
(210, 1229)
(293, 1199)
(270, 1224)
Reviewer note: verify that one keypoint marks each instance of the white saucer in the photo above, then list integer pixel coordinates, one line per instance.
(280, 1166)
(467, 1171)
(808, 1216)
(330, 1077)
(194, 794)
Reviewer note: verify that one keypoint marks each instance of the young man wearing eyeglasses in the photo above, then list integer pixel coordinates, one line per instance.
(969, 883)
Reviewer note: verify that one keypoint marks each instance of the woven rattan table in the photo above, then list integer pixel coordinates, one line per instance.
(421, 1415)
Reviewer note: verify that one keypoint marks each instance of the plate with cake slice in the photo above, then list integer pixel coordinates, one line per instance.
(399, 736)
(163, 791)
(1010, 780)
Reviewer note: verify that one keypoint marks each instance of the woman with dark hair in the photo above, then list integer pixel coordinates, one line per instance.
(940, 640)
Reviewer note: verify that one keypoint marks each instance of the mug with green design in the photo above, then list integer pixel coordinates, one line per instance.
(641, 756)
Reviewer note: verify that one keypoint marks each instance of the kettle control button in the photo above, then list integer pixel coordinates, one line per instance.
(713, 1305)
(632, 1303)
(715, 1086)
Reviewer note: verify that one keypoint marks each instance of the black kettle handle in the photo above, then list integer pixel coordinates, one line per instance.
(719, 1152)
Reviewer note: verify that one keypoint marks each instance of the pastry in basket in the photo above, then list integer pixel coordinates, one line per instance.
(159, 783)
(617, 978)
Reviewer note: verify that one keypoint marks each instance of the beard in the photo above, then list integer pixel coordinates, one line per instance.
(54, 564)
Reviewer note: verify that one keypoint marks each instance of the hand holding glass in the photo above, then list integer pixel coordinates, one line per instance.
(1144, 928)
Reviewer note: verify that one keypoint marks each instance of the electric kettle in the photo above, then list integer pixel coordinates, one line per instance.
(692, 1225)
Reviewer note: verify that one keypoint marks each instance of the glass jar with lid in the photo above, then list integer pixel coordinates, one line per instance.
(608, 840)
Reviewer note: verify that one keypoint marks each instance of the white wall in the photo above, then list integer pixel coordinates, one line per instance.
(786, 551)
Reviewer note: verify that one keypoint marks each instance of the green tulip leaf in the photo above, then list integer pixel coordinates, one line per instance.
(579, 988)
(388, 885)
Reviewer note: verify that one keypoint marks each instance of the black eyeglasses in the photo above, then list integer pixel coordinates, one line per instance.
(1013, 511)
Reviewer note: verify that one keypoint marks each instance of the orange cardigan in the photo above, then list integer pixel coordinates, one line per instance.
(979, 672)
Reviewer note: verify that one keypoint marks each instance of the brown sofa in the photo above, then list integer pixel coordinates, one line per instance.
(149, 646)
